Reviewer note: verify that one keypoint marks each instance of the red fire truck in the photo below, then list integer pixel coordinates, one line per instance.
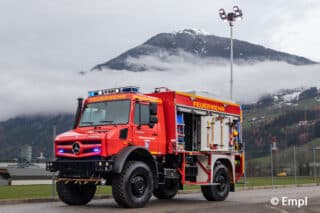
(144, 144)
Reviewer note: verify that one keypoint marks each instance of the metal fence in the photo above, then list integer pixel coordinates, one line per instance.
(294, 165)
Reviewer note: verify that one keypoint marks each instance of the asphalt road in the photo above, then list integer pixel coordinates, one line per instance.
(253, 201)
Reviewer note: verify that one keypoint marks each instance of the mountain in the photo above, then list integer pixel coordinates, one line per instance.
(34, 130)
(292, 116)
(190, 43)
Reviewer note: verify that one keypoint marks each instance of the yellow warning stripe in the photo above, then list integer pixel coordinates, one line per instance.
(209, 99)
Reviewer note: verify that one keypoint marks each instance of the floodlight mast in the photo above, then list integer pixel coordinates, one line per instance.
(231, 17)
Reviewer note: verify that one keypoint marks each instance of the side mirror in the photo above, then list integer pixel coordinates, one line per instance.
(153, 120)
(153, 108)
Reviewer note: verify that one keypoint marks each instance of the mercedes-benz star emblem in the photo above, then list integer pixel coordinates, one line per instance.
(76, 148)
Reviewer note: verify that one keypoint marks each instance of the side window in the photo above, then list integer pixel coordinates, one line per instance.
(145, 113)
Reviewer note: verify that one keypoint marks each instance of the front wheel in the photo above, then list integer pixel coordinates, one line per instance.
(133, 187)
(220, 191)
(75, 194)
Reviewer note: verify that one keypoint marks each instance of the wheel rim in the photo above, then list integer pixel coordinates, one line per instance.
(138, 186)
(222, 180)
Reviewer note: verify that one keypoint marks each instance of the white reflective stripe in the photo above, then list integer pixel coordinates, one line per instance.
(146, 138)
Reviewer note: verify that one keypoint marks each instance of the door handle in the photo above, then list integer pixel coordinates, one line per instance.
(154, 134)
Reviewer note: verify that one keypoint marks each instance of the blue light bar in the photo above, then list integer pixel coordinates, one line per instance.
(61, 151)
(96, 150)
(129, 89)
(91, 93)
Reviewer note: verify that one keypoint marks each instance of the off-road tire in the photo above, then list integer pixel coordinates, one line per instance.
(218, 192)
(75, 194)
(167, 190)
(133, 187)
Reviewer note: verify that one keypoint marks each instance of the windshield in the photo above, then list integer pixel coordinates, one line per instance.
(106, 113)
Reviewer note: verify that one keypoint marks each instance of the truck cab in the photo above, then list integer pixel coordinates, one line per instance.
(107, 124)
(144, 144)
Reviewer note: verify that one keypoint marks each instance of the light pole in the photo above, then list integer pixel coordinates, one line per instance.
(295, 165)
(314, 163)
(54, 133)
(231, 17)
(271, 157)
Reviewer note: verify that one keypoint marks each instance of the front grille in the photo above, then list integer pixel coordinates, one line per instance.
(88, 151)
(87, 147)
(65, 143)
(86, 142)
(91, 142)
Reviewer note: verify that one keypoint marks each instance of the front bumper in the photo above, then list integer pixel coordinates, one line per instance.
(80, 168)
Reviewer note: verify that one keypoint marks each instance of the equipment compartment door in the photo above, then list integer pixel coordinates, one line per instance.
(216, 132)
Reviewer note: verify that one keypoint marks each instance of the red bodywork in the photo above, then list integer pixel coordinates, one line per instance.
(160, 138)
(108, 135)
(173, 99)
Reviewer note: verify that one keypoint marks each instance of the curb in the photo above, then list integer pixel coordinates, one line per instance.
(192, 191)
(19, 201)
(247, 188)
(44, 200)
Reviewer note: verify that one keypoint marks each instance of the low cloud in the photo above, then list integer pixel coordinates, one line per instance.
(38, 91)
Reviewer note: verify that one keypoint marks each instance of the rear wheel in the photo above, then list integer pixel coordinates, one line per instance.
(133, 187)
(167, 190)
(75, 194)
(220, 191)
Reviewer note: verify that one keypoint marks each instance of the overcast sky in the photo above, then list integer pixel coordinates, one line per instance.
(76, 34)
(44, 43)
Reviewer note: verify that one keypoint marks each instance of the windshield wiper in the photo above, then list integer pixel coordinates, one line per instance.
(106, 121)
(86, 122)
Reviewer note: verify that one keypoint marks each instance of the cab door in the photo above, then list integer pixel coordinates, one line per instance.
(144, 133)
